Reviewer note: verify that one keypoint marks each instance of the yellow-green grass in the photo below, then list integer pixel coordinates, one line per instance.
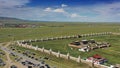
(9, 34)
(111, 53)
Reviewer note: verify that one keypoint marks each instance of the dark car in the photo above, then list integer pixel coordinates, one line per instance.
(2, 63)
(13, 66)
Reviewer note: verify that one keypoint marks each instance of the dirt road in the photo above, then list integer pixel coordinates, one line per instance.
(9, 61)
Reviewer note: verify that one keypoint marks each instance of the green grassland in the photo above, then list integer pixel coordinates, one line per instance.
(65, 29)
(53, 30)
(111, 53)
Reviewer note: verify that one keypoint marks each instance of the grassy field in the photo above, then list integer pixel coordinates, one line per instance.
(64, 29)
(112, 53)
(53, 30)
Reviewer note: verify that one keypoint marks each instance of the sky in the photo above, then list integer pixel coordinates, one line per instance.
(62, 10)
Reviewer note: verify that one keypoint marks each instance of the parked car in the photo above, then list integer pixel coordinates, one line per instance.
(13, 66)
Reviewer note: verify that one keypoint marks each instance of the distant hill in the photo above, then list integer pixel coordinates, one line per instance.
(12, 20)
(8, 18)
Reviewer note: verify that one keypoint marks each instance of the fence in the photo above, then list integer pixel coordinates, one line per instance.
(68, 37)
(59, 55)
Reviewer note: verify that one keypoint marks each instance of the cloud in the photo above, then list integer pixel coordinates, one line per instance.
(98, 12)
(48, 9)
(108, 9)
(118, 14)
(59, 10)
(64, 5)
(74, 15)
(13, 3)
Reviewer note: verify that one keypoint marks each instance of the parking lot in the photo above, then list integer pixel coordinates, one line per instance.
(24, 60)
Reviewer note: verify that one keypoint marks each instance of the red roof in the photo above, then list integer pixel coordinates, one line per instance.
(97, 56)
